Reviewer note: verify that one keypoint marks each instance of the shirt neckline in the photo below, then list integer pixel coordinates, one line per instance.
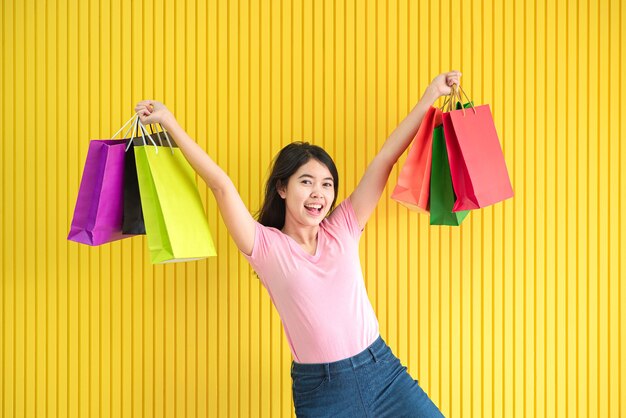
(306, 254)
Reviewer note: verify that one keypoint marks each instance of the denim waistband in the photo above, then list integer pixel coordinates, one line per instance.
(372, 353)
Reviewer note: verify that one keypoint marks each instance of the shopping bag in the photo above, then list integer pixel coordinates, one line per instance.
(442, 196)
(98, 212)
(176, 225)
(477, 167)
(132, 220)
(441, 191)
(413, 187)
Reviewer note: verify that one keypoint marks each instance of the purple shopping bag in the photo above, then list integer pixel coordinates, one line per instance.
(99, 205)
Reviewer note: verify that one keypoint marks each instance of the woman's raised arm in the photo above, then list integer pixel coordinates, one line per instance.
(367, 193)
(239, 222)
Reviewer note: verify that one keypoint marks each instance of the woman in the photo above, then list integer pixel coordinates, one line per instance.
(309, 263)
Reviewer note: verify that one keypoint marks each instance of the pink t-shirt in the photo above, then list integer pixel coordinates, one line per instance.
(321, 298)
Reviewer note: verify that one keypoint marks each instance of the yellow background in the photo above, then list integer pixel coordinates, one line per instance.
(516, 313)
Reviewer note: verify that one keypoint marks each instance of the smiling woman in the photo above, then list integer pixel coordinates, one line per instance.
(298, 166)
(307, 257)
(308, 196)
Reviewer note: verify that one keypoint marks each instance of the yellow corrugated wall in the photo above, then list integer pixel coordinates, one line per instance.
(517, 313)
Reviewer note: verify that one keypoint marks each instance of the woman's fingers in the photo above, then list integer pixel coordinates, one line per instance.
(454, 77)
(148, 105)
(151, 111)
(145, 119)
(143, 110)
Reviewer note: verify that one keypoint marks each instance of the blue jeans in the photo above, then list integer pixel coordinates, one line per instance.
(373, 383)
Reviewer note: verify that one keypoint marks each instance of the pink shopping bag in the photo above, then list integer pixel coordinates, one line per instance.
(477, 167)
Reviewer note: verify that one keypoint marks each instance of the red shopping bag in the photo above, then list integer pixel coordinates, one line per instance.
(477, 167)
(413, 188)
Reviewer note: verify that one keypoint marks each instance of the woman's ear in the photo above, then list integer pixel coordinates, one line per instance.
(281, 189)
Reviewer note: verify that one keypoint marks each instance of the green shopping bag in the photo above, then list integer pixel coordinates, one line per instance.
(442, 196)
(176, 225)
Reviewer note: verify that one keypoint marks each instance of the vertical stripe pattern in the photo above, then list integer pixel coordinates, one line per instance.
(516, 313)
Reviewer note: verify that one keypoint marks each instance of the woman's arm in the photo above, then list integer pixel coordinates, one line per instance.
(367, 193)
(239, 222)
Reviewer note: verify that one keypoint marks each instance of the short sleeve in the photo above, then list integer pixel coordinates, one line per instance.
(344, 217)
(261, 249)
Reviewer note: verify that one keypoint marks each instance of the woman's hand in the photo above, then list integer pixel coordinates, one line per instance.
(151, 111)
(442, 84)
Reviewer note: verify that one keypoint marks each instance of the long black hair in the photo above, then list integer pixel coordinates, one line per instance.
(285, 164)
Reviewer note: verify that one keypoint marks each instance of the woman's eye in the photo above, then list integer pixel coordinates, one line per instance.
(305, 182)
(328, 185)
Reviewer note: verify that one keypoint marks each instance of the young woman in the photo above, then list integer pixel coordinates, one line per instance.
(309, 264)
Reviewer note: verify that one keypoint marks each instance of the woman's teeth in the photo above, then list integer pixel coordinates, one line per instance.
(313, 208)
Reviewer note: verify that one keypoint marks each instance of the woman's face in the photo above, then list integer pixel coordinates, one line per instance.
(309, 194)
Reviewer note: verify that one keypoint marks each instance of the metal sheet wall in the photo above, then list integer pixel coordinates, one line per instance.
(516, 313)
